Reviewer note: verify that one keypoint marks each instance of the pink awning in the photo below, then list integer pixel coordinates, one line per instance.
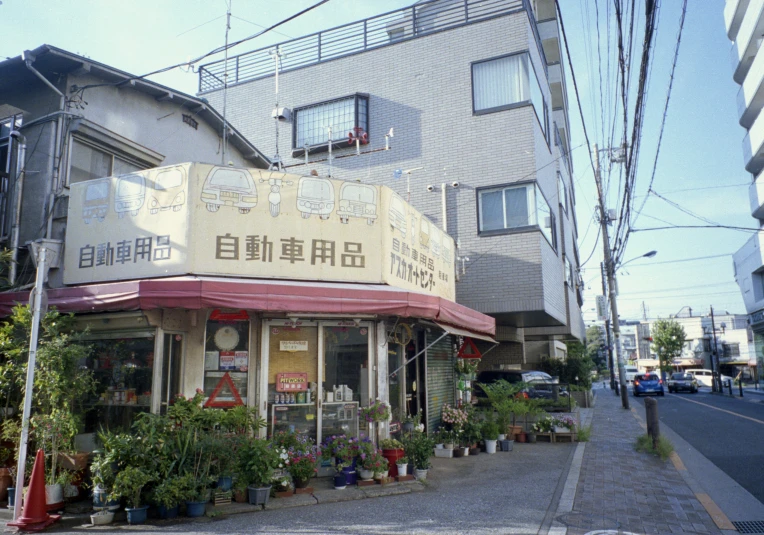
(194, 293)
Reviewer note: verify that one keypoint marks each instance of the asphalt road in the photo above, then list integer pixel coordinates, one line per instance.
(727, 431)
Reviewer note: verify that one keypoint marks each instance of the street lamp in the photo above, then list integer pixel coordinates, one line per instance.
(646, 255)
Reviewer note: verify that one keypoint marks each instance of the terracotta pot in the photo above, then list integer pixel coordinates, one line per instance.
(520, 437)
(73, 461)
(240, 496)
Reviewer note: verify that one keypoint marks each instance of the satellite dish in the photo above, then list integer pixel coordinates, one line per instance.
(397, 174)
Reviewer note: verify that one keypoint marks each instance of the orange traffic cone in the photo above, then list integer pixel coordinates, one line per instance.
(35, 517)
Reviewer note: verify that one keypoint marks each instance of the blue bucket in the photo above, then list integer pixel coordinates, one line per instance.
(136, 515)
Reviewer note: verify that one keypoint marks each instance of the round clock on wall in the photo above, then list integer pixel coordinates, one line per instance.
(226, 338)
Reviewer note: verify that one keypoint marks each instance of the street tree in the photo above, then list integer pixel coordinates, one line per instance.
(596, 348)
(668, 341)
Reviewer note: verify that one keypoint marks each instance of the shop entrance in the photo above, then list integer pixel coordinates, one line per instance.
(315, 376)
(172, 353)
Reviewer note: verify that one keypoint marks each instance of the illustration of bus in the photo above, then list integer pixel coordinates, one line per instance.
(226, 186)
(358, 200)
(169, 190)
(315, 196)
(130, 194)
(397, 214)
(424, 232)
(96, 202)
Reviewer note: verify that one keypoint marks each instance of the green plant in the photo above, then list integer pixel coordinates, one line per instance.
(668, 341)
(473, 431)
(663, 450)
(374, 462)
(585, 433)
(168, 493)
(303, 459)
(402, 460)
(490, 430)
(129, 483)
(544, 425)
(419, 448)
(376, 412)
(341, 447)
(390, 444)
(257, 461)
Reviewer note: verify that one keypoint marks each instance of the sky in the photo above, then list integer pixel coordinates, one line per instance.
(700, 165)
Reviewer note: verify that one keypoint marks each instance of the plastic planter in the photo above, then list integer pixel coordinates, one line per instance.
(195, 509)
(166, 513)
(258, 495)
(136, 515)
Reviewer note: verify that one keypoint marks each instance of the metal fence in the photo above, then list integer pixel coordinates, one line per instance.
(393, 27)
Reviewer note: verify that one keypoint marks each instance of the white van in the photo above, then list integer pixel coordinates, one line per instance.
(629, 372)
(704, 377)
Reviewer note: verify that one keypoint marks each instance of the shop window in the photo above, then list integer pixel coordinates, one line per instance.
(123, 369)
(226, 360)
(346, 378)
(343, 115)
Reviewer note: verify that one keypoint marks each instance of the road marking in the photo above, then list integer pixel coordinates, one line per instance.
(719, 518)
(718, 409)
(677, 461)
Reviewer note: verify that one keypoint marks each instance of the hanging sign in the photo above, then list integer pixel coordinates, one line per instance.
(469, 350)
(225, 381)
(293, 346)
(291, 382)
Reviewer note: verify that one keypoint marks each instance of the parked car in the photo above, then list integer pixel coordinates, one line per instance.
(682, 381)
(704, 377)
(540, 385)
(648, 383)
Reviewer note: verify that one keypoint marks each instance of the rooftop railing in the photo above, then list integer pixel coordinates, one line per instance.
(421, 19)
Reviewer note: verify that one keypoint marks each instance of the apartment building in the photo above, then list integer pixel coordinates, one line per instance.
(470, 98)
(744, 21)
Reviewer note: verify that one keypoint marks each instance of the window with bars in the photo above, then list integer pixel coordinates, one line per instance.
(342, 115)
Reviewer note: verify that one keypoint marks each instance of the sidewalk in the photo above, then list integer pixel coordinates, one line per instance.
(625, 491)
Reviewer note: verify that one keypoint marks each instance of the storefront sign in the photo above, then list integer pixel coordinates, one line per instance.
(291, 382)
(292, 346)
(207, 220)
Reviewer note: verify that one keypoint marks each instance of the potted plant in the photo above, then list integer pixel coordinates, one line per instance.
(375, 463)
(195, 493)
(378, 411)
(128, 484)
(472, 435)
(167, 497)
(564, 424)
(257, 460)
(303, 461)
(392, 450)
(402, 465)
(344, 451)
(419, 448)
(490, 435)
(240, 491)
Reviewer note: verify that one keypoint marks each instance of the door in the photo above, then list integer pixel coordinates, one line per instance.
(172, 358)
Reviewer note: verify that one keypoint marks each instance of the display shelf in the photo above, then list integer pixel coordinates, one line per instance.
(339, 417)
(300, 418)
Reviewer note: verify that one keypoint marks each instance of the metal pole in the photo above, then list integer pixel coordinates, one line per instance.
(610, 272)
(716, 383)
(20, 469)
(443, 206)
(607, 331)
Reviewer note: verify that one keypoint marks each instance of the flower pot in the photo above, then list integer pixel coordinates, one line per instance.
(259, 495)
(408, 427)
(506, 445)
(420, 474)
(195, 509)
(165, 513)
(351, 477)
(381, 475)
(402, 469)
(448, 445)
(366, 475)
(392, 456)
(225, 483)
(521, 437)
(531, 438)
(73, 461)
(340, 482)
(54, 495)
(502, 436)
(136, 515)
(490, 446)
(475, 450)
(438, 446)
(302, 483)
(101, 500)
(466, 450)
(102, 517)
(240, 496)
(561, 429)
(458, 452)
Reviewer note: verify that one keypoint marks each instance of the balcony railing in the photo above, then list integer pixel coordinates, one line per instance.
(396, 26)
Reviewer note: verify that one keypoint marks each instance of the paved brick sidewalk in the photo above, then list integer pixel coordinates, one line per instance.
(622, 489)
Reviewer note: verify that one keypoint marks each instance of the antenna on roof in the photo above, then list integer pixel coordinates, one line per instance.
(225, 82)
(277, 55)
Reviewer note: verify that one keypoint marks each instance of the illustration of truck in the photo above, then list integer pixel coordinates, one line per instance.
(169, 190)
(358, 200)
(130, 194)
(315, 196)
(397, 214)
(226, 186)
(96, 202)
(424, 232)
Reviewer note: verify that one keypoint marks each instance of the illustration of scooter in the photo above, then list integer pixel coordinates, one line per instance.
(274, 197)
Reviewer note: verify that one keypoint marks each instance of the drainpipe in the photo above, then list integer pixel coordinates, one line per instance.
(28, 59)
(19, 190)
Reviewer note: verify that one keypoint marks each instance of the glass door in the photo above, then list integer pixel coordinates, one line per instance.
(290, 378)
(172, 353)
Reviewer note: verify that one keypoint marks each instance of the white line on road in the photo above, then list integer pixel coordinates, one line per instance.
(718, 409)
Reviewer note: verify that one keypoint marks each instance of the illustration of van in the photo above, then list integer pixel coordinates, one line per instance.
(435, 239)
(424, 233)
(226, 186)
(358, 200)
(96, 202)
(130, 194)
(445, 249)
(397, 214)
(315, 196)
(169, 190)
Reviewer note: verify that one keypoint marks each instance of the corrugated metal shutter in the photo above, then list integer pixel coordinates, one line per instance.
(440, 378)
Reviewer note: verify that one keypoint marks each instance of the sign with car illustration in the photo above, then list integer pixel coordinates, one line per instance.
(204, 219)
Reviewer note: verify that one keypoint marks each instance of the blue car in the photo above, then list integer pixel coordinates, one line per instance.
(648, 383)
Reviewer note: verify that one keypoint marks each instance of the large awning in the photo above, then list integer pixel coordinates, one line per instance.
(274, 296)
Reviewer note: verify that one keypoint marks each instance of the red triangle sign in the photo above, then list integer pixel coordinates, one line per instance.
(224, 381)
(469, 350)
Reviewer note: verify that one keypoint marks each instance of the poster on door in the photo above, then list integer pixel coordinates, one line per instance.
(227, 360)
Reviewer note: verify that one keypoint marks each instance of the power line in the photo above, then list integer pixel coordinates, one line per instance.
(729, 227)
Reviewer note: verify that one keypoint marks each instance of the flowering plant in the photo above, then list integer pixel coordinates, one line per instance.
(466, 366)
(303, 458)
(377, 412)
(565, 421)
(390, 444)
(374, 462)
(544, 425)
(456, 418)
(341, 447)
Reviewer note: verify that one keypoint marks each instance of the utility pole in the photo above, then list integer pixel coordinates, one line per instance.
(716, 382)
(610, 273)
(607, 333)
